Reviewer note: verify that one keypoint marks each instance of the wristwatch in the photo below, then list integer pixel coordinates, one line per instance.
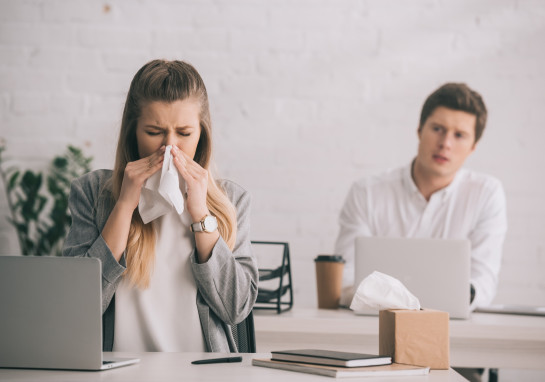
(207, 224)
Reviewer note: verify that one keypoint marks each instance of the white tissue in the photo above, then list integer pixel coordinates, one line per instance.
(380, 291)
(161, 192)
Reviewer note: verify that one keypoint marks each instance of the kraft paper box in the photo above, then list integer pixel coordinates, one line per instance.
(415, 337)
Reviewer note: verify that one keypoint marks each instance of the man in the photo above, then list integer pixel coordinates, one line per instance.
(434, 197)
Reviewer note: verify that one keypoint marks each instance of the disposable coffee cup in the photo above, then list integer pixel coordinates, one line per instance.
(329, 276)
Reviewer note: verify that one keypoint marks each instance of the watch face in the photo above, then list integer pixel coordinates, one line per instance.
(210, 224)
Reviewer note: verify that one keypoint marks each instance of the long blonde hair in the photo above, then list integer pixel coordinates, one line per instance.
(166, 81)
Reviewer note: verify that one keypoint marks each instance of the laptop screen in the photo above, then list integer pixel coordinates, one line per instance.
(436, 271)
(51, 312)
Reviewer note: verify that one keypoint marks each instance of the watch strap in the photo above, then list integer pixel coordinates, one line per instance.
(197, 227)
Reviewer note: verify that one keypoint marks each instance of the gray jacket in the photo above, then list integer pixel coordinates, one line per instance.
(226, 284)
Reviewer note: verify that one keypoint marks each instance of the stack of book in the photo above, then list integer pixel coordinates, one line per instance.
(337, 364)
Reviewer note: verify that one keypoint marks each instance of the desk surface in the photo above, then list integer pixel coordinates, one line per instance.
(484, 340)
(177, 367)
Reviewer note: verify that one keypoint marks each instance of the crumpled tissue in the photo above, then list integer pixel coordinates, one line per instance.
(380, 291)
(161, 191)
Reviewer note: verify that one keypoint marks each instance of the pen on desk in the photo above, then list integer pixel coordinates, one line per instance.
(217, 360)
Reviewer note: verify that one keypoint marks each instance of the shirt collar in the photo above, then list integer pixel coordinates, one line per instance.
(411, 188)
(408, 181)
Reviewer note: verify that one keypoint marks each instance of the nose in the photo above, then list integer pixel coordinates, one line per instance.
(170, 139)
(446, 140)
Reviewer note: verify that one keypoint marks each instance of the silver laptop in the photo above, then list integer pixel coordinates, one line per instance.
(50, 314)
(436, 271)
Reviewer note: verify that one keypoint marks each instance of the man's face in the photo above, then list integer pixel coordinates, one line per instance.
(446, 140)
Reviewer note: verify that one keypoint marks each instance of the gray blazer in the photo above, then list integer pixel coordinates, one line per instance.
(226, 284)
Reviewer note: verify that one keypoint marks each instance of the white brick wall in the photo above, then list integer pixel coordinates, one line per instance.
(306, 96)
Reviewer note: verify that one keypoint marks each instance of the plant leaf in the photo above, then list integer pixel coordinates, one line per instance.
(12, 180)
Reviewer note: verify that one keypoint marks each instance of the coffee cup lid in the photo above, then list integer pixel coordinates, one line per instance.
(330, 258)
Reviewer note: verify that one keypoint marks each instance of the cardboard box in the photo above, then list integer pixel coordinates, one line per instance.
(415, 337)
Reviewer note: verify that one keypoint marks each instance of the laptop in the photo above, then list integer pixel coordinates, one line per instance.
(51, 315)
(436, 271)
(524, 310)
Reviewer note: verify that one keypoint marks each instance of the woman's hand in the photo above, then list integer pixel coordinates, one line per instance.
(136, 174)
(116, 229)
(196, 179)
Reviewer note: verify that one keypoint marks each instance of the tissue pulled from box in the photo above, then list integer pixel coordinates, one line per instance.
(161, 191)
(380, 291)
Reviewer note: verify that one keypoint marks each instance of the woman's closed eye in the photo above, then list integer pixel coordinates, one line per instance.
(153, 133)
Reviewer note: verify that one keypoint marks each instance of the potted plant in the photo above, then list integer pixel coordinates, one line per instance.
(39, 211)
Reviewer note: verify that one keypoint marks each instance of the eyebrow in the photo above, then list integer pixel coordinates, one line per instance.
(162, 128)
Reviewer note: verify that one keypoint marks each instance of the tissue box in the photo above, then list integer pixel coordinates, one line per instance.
(415, 337)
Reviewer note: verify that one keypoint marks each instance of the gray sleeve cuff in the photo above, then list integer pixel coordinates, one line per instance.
(111, 269)
(218, 258)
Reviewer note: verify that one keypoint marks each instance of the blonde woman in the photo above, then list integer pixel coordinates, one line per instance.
(178, 282)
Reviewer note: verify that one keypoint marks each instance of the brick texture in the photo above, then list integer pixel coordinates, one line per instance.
(306, 96)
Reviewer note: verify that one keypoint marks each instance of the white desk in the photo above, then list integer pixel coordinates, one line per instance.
(485, 340)
(176, 367)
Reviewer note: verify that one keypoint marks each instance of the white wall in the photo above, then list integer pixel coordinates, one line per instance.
(306, 95)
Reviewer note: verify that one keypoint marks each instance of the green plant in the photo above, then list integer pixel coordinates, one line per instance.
(39, 212)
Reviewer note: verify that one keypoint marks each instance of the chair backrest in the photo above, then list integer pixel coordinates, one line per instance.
(244, 334)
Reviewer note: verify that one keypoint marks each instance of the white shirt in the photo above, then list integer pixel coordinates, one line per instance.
(164, 316)
(471, 207)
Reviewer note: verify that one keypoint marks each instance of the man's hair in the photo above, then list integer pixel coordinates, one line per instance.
(456, 96)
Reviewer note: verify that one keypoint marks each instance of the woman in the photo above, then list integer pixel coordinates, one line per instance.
(178, 282)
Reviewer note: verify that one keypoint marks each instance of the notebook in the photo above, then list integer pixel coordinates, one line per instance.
(436, 271)
(330, 357)
(391, 370)
(51, 315)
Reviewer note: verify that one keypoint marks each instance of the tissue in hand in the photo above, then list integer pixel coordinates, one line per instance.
(161, 192)
(380, 291)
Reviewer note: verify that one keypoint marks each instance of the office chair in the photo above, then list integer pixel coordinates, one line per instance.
(244, 334)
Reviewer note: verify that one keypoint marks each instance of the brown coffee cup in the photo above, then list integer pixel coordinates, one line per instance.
(329, 276)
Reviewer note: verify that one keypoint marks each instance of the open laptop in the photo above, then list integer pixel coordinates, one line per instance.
(436, 271)
(50, 314)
